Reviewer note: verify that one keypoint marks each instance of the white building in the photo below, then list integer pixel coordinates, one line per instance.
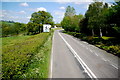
(46, 27)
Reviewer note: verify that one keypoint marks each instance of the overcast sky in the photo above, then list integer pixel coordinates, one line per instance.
(21, 10)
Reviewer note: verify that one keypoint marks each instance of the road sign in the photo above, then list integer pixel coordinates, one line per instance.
(46, 27)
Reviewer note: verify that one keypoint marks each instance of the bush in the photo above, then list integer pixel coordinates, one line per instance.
(114, 49)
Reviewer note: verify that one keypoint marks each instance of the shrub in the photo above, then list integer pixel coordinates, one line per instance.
(115, 50)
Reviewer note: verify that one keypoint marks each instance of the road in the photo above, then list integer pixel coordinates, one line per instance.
(73, 58)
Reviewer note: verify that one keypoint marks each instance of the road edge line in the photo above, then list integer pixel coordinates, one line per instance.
(88, 71)
(51, 59)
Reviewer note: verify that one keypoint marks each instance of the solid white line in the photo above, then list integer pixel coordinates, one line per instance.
(88, 71)
(51, 67)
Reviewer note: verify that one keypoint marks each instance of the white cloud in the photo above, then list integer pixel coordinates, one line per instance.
(61, 1)
(86, 6)
(22, 12)
(29, 17)
(58, 15)
(41, 9)
(2, 15)
(76, 1)
(14, 16)
(24, 4)
(62, 8)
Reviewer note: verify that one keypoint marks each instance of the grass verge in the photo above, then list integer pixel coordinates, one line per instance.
(109, 44)
(17, 54)
(39, 66)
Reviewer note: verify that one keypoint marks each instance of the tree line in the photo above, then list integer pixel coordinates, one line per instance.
(10, 28)
(34, 26)
(99, 20)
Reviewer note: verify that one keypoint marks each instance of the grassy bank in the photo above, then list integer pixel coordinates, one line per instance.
(39, 66)
(110, 44)
(17, 53)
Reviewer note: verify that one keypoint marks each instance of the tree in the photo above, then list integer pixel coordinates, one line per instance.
(70, 21)
(66, 23)
(42, 17)
(96, 16)
(70, 11)
(114, 17)
(5, 29)
(76, 19)
(37, 20)
(83, 26)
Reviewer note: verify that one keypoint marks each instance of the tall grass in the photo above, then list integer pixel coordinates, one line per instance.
(39, 66)
(17, 56)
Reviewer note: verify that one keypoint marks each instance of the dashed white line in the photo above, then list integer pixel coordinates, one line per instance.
(96, 54)
(114, 66)
(104, 59)
(91, 51)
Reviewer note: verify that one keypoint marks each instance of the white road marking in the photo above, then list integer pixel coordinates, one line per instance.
(114, 66)
(104, 59)
(85, 42)
(96, 54)
(88, 71)
(91, 51)
(51, 68)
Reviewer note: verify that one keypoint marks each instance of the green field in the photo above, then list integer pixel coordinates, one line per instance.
(13, 40)
(19, 55)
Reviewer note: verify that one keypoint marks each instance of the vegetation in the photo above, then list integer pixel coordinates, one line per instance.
(98, 25)
(39, 64)
(70, 21)
(22, 44)
(34, 26)
(37, 20)
(10, 28)
(28, 56)
(58, 25)
(16, 56)
(100, 20)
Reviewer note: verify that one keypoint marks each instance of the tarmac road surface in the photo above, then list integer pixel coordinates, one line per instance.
(73, 58)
